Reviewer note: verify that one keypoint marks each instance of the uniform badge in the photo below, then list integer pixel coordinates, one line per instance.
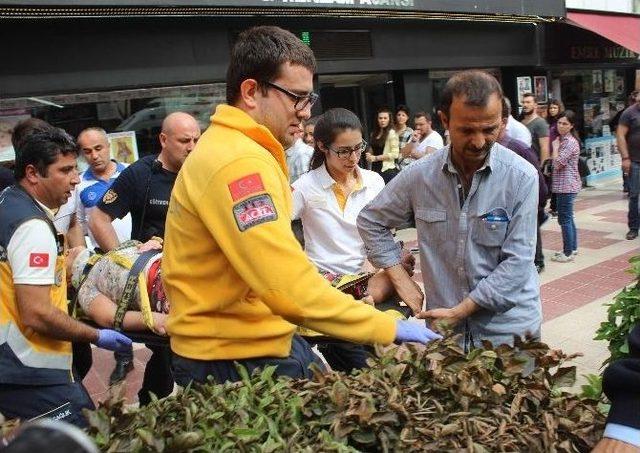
(109, 197)
(246, 185)
(38, 260)
(254, 211)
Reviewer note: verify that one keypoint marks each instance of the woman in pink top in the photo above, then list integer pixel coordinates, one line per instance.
(566, 183)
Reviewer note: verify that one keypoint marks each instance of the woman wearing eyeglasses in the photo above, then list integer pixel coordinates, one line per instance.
(328, 200)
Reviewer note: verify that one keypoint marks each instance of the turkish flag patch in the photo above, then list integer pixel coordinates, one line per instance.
(38, 260)
(246, 185)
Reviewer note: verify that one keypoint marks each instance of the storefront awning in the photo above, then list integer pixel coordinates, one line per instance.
(623, 30)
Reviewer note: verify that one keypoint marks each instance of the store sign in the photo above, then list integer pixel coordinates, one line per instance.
(601, 52)
(385, 3)
(545, 8)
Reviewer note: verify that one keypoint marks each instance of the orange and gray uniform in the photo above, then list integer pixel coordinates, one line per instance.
(26, 357)
(237, 279)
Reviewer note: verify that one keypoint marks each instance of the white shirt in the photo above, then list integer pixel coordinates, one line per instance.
(516, 130)
(433, 140)
(332, 241)
(62, 218)
(32, 253)
(89, 193)
(298, 159)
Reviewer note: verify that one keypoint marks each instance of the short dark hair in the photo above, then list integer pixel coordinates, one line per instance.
(506, 108)
(28, 127)
(41, 149)
(475, 86)
(528, 95)
(329, 125)
(311, 121)
(403, 108)
(421, 114)
(259, 54)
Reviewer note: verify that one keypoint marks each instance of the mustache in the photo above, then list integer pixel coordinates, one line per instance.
(484, 149)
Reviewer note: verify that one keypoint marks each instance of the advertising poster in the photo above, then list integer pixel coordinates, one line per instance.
(610, 80)
(540, 86)
(524, 86)
(124, 147)
(596, 81)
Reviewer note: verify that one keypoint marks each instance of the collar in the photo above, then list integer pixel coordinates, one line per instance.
(49, 212)
(447, 163)
(327, 182)
(235, 118)
(90, 176)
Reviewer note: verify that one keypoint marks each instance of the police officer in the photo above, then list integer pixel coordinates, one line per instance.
(237, 279)
(35, 331)
(143, 189)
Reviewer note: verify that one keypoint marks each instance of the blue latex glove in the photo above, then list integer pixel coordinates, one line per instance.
(113, 340)
(414, 332)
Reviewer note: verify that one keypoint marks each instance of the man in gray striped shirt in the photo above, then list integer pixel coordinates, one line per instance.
(474, 204)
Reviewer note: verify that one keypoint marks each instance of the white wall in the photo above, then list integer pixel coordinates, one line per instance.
(619, 6)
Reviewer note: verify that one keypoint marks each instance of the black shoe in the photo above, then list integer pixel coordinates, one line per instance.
(539, 267)
(632, 234)
(120, 371)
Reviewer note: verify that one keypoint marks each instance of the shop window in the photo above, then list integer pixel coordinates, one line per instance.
(139, 111)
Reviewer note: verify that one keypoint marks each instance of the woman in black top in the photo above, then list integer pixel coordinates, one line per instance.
(383, 146)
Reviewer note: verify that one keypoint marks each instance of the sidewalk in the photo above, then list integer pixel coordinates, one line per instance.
(573, 294)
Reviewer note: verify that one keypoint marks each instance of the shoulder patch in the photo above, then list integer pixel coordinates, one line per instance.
(39, 260)
(254, 211)
(246, 185)
(110, 196)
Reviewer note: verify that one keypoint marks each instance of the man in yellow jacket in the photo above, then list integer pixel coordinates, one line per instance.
(237, 279)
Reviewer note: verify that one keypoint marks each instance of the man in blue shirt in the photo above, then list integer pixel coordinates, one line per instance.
(474, 204)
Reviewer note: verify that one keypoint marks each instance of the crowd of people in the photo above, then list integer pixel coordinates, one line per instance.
(196, 243)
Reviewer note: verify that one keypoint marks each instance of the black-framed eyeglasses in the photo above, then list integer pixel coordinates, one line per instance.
(345, 153)
(300, 102)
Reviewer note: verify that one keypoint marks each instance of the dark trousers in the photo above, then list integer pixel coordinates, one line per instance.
(633, 182)
(158, 376)
(344, 356)
(539, 258)
(296, 365)
(126, 356)
(82, 360)
(60, 402)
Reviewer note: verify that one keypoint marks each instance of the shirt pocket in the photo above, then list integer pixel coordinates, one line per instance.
(433, 223)
(491, 230)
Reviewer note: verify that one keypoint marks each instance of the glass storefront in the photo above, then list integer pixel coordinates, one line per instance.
(140, 111)
(596, 95)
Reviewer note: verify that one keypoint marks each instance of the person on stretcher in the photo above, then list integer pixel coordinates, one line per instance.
(101, 280)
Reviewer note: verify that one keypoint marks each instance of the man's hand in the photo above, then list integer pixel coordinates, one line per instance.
(607, 445)
(408, 262)
(370, 157)
(450, 316)
(414, 332)
(113, 340)
(626, 166)
(407, 289)
(159, 323)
